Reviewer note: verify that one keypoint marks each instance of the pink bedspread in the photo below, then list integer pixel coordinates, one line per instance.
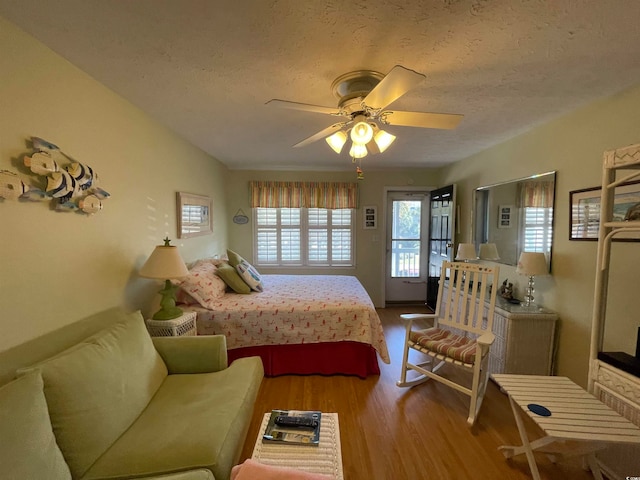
(296, 309)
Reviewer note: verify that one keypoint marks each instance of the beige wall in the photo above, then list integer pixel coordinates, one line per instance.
(573, 145)
(55, 267)
(370, 248)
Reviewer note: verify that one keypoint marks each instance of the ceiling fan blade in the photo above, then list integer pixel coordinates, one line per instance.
(321, 134)
(446, 121)
(304, 107)
(395, 84)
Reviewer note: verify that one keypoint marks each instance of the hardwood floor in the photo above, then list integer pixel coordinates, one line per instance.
(391, 433)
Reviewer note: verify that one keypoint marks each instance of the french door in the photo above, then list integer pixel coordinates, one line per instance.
(442, 226)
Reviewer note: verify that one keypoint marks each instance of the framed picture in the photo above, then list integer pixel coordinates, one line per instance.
(584, 213)
(505, 216)
(370, 217)
(194, 215)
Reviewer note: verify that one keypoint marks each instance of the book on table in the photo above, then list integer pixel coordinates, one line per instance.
(296, 427)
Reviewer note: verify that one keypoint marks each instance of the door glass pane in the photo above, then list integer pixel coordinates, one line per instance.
(405, 241)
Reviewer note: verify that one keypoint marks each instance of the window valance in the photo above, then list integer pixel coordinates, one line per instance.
(536, 194)
(331, 195)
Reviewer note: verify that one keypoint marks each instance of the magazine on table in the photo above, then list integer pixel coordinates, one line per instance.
(298, 427)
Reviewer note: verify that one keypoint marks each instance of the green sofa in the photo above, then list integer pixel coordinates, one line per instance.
(121, 404)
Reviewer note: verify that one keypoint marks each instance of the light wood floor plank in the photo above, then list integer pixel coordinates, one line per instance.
(391, 433)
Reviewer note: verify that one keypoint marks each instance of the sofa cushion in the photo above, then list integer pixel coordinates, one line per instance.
(29, 449)
(193, 421)
(97, 389)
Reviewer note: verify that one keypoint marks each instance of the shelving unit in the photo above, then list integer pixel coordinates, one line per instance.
(613, 386)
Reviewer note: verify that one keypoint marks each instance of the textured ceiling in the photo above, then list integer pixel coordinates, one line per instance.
(206, 68)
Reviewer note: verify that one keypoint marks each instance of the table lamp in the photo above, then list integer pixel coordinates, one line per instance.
(488, 251)
(531, 264)
(466, 252)
(165, 263)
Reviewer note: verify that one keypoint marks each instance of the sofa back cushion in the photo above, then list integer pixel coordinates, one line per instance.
(96, 389)
(29, 449)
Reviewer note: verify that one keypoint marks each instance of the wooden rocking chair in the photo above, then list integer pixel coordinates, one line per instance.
(461, 334)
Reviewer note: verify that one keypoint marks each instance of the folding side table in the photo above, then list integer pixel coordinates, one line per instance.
(568, 415)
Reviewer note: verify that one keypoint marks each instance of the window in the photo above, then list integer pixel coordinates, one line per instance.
(536, 229)
(303, 236)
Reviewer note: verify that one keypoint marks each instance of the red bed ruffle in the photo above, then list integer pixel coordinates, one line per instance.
(330, 358)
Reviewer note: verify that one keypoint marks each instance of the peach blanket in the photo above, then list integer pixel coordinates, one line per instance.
(252, 470)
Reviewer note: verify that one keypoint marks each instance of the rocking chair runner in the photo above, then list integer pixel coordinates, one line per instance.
(461, 334)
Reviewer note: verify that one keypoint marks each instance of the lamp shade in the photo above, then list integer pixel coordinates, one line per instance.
(337, 141)
(383, 140)
(466, 251)
(164, 263)
(358, 151)
(361, 132)
(532, 263)
(488, 251)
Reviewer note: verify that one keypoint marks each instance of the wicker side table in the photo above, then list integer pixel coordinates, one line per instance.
(184, 326)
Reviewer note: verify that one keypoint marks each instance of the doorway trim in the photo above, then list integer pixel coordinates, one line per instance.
(383, 221)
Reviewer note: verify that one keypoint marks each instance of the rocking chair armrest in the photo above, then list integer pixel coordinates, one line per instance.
(486, 339)
(417, 316)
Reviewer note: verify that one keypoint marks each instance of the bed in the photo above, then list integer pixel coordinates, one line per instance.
(300, 324)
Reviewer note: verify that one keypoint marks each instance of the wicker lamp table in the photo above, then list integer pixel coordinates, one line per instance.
(183, 326)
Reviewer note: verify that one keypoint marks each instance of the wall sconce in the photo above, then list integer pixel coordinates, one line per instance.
(531, 264)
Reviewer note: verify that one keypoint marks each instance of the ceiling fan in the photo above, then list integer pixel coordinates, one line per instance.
(363, 97)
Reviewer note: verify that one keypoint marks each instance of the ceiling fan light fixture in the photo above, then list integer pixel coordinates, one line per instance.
(358, 150)
(383, 140)
(337, 141)
(361, 132)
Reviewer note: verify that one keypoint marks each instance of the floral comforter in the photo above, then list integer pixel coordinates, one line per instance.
(295, 309)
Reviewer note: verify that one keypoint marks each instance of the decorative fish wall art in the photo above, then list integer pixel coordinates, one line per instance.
(72, 188)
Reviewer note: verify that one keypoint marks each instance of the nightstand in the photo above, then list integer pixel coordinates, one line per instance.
(183, 326)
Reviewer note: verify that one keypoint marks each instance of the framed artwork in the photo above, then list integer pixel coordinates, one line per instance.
(584, 213)
(194, 215)
(505, 216)
(370, 218)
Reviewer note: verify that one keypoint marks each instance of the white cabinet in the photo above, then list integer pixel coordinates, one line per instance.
(525, 339)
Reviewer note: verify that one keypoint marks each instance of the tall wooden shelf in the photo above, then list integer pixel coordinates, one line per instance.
(612, 385)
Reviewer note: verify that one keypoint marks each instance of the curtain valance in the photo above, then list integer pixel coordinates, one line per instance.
(536, 194)
(331, 195)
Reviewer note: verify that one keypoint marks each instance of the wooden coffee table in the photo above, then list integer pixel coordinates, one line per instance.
(326, 458)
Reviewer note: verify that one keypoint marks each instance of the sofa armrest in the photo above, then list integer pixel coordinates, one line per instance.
(207, 353)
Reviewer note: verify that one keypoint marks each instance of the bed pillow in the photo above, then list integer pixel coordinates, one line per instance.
(234, 258)
(231, 277)
(250, 275)
(203, 285)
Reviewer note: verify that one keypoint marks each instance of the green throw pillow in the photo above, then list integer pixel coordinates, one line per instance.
(30, 449)
(231, 277)
(234, 258)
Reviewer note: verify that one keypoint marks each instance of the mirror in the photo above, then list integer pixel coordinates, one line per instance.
(517, 216)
